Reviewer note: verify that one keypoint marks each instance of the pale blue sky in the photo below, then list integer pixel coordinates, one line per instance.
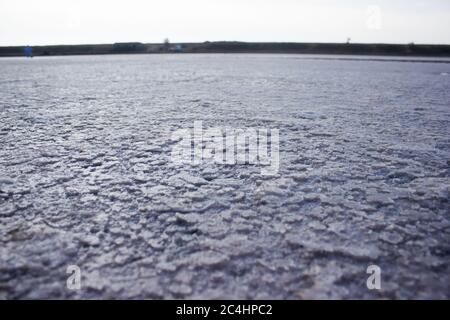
(105, 21)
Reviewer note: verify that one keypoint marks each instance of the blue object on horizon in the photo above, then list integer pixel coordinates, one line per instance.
(28, 51)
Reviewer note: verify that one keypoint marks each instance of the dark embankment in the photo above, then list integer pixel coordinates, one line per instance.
(236, 47)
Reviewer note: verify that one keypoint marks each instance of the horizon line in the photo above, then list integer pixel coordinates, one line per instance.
(227, 41)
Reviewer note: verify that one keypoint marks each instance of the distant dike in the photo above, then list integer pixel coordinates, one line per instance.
(418, 50)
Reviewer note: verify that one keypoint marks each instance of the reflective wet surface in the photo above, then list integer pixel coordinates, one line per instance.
(86, 178)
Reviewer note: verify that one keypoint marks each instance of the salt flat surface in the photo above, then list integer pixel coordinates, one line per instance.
(86, 178)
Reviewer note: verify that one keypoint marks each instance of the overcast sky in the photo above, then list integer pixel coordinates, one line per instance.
(106, 21)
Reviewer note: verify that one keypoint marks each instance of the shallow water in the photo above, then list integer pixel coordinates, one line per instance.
(86, 178)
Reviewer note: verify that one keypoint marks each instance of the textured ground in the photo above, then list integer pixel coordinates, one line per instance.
(86, 178)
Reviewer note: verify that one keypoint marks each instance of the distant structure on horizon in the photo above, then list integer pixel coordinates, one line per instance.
(28, 51)
(176, 48)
